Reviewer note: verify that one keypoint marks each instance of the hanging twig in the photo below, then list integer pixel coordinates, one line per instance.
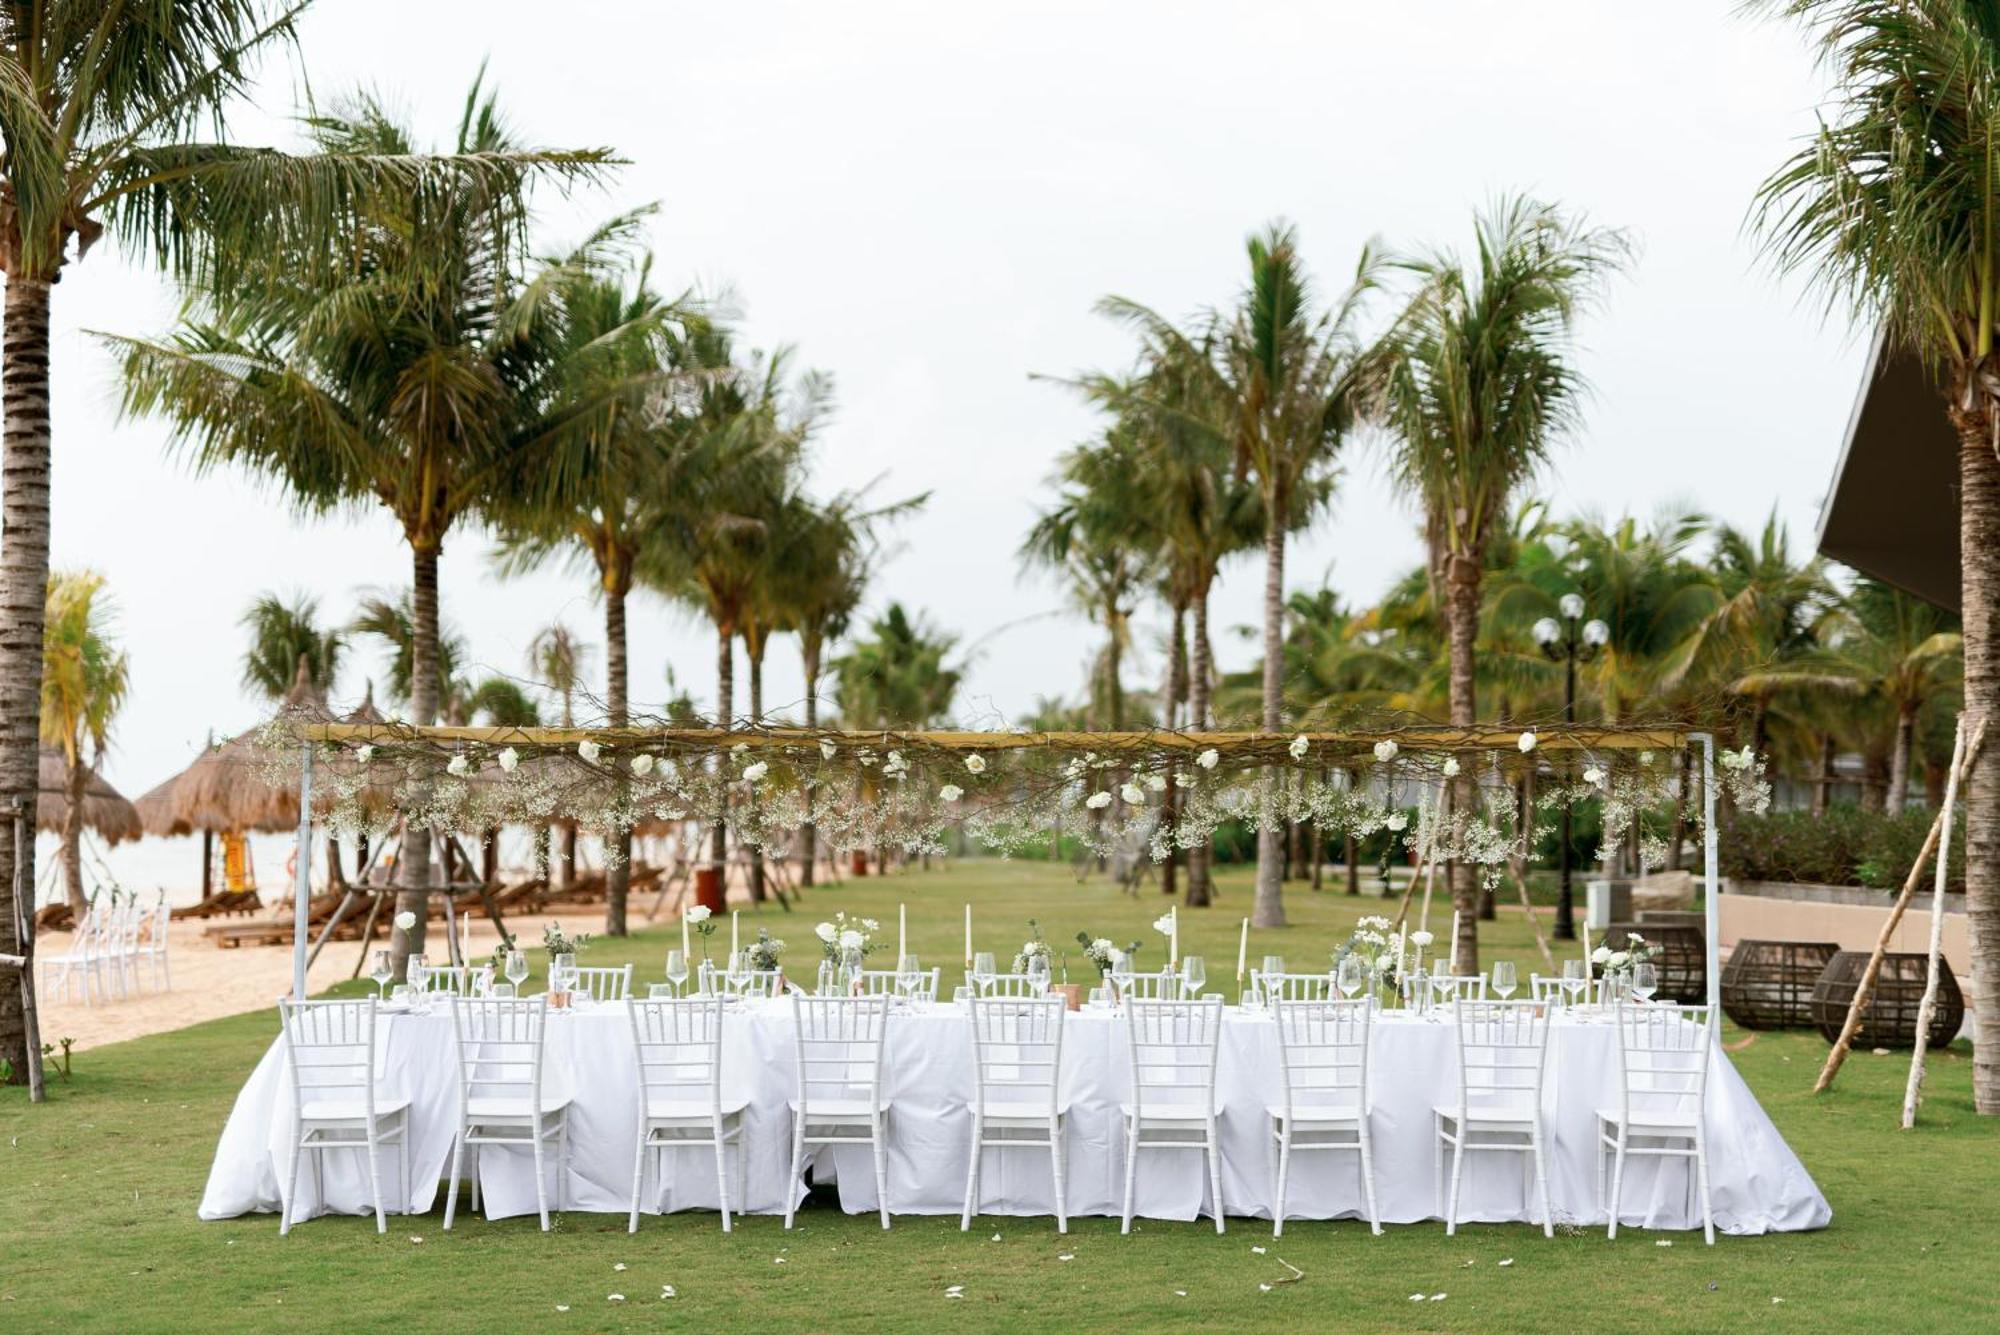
(1913, 1090)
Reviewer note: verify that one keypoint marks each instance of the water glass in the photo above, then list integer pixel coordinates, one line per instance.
(1194, 976)
(1645, 981)
(1576, 977)
(416, 974)
(960, 995)
(504, 991)
(1274, 968)
(517, 968)
(909, 976)
(1351, 976)
(739, 970)
(1038, 973)
(659, 991)
(677, 968)
(382, 974)
(1504, 979)
(983, 970)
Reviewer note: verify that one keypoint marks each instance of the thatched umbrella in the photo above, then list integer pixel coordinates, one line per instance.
(105, 809)
(226, 789)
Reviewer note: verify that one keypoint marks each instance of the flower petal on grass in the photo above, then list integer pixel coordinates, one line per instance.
(1507, 1262)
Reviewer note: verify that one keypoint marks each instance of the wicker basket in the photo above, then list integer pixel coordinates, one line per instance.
(1769, 984)
(1682, 961)
(1891, 1018)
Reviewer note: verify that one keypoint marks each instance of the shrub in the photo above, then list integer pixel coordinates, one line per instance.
(1845, 846)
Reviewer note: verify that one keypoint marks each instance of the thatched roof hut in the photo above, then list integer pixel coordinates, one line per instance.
(105, 809)
(226, 788)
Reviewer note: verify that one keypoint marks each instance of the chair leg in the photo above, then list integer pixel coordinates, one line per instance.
(451, 1193)
(319, 1176)
(1368, 1181)
(541, 1181)
(375, 1184)
(403, 1166)
(1214, 1151)
(971, 1178)
(1617, 1182)
(473, 1174)
(1437, 1160)
(1597, 1158)
(288, 1207)
(1542, 1186)
(1457, 1176)
(1701, 1177)
(742, 1168)
(798, 1166)
(638, 1176)
(1131, 1165)
(1061, 1174)
(722, 1173)
(1284, 1172)
(878, 1144)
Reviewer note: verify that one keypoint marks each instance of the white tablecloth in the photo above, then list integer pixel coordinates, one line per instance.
(1759, 1184)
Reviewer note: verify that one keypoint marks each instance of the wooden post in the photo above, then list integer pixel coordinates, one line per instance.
(1913, 1090)
(1864, 991)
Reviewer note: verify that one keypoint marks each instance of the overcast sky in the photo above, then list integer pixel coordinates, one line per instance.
(927, 199)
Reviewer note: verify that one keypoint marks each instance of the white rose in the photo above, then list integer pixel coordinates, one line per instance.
(1102, 946)
(1164, 924)
(951, 792)
(1635, 939)
(870, 924)
(1385, 751)
(1116, 956)
(1421, 939)
(1132, 794)
(1601, 955)
(755, 772)
(1098, 801)
(826, 932)
(975, 764)
(1594, 776)
(364, 754)
(850, 940)
(589, 750)
(1526, 742)
(460, 764)
(510, 759)
(405, 920)
(642, 765)
(827, 748)
(1207, 759)
(1619, 959)
(1157, 782)
(1396, 821)
(1451, 767)
(1299, 747)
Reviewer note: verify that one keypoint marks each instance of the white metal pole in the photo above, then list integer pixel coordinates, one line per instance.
(1711, 878)
(302, 877)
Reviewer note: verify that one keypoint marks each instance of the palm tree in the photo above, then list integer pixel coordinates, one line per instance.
(558, 658)
(1473, 385)
(111, 117)
(394, 622)
(281, 633)
(896, 676)
(85, 679)
(414, 375)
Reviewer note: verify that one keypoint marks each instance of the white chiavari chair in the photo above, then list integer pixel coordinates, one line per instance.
(757, 984)
(330, 1058)
(501, 1101)
(72, 970)
(678, 1044)
(1323, 1052)
(125, 948)
(1271, 988)
(157, 971)
(611, 982)
(1002, 985)
(1502, 1053)
(1545, 988)
(1664, 1056)
(1173, 1106)
(1017, 1090)
(465, 980)
(1446, 988)
(882, 982)
(1158, 986)
(837, 1054)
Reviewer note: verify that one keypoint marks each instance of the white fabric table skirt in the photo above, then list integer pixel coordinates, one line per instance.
(1759, 1185)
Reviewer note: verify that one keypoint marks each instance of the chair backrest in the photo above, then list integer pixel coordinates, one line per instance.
(1157, 986)
(1502, 1050)
(500, 1046)
(1323, 1053)
(882, 982)
(1278, 987)
(837, 1047)
(131, 924)
(463, 979)
(1004, 985)
(329, 1051)
(757, 983)
(1017, 1050)
(678, 1043)
(1544, 987)
(1173, 1046)
(163, 918)
(606, 983)
(1448, 987)
(1664, 1054)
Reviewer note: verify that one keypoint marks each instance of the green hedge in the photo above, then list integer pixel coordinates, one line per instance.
(1846, 846)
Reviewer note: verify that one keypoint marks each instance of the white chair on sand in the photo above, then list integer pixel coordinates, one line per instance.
(155, 949)
(837, 1052)
(1323, 1052)
(1664, 1056)
(612, 982)
(678, 1044)
(501, 1101)
(1502, 1052)
(1173, 1106)
(74, 968)
(1017, 1095)
(330, 1058)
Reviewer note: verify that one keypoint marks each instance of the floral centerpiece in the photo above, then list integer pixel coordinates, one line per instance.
(845, 933)
(557, 943)
(764, 951)
(1376, 943)
(1618, 964)
(1100, 952)
(702, 919)
(1034, 948)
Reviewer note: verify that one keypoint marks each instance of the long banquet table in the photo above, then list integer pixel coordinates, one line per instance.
(1759, 1185)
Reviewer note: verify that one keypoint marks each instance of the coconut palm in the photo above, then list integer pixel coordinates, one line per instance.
(393, 621)
(283, 632)
(111, 118)
(414, 376)
(85, 680)
(1473, 383)
(558, 660)
(896, 675)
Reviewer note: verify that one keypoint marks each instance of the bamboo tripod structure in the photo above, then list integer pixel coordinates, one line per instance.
(1913, 1090)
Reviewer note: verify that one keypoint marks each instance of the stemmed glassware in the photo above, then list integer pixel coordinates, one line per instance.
(1576, 977)
(1194, 976)
(516, 969)
(1274, 968)
(1351, 976)
(909, 977)
(416, 974)
(1645, 980)
(1504, 979)
(383, 972)
(739, 970)
(983, 971)
(677, 969)
(1038, 974)
(1121, 974)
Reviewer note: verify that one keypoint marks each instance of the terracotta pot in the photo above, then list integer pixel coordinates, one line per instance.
(708, 888)
(1070, 992)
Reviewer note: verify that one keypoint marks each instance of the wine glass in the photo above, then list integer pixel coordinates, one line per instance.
(1504, 979)
(383, 972)
(677, 969)
(1194, 975)
(1274, 971)
(517, 969)
(1645, 980)
(983, 970)
(1576, 977)
(1351, 976)
(1121, 974)
(908, 977)
(739, 970)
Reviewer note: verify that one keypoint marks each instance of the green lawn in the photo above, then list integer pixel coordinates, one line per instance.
(98, 1193)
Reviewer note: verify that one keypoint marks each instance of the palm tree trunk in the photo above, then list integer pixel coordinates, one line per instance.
(1823, 782)
(24, 579)
(1269, 907)
(1899, 760)
(725, 704)
(754, 652)
(1979, 548)
(618, 861)
(75, 781)
(1462, 572)
(1200, 890)
(808, 833)
(415, 859)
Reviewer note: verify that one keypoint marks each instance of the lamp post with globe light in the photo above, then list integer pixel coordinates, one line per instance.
(1570, 641)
